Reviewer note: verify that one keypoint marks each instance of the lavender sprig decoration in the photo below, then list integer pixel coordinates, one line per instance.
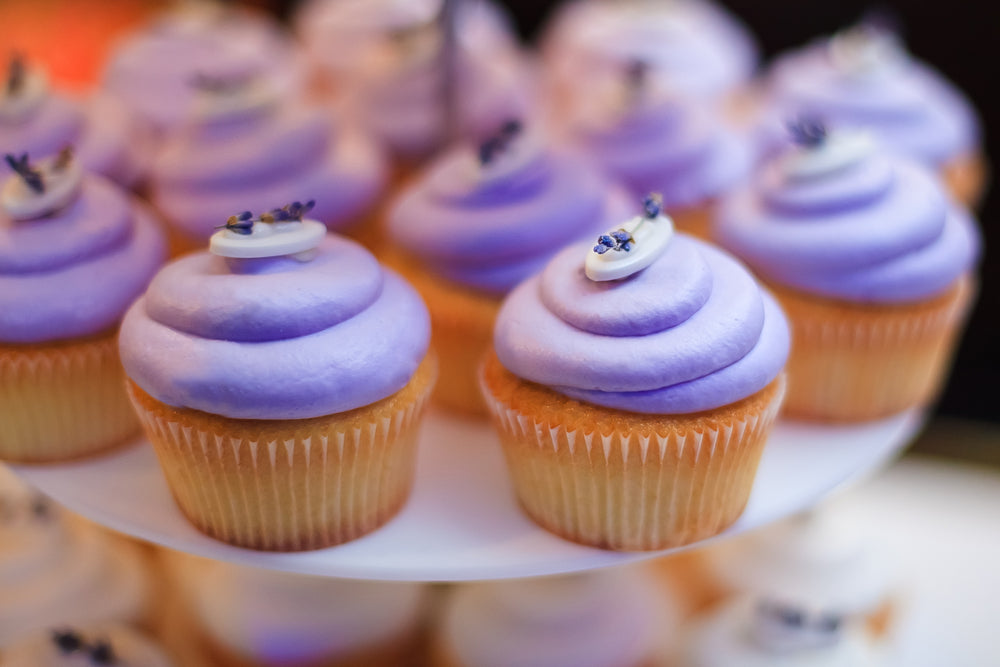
(807, 131)
(67, 641)
(621, 240)
(499, 142)
(242, 223)
(101, 653)
(70, 641)
(16, 74)
(28, 173)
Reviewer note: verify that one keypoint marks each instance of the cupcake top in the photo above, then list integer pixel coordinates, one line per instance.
(398, 89)
(761, 633)
(834, 215)
(819, 560)
(277, 618)
(651, 140)
(75, 251)
(278, 321)
(55, 570)
(244, 145)
(116, 645)
(863, 77)
(151, 71)
(694, 46)
(36, 120)
(336, 31)
(647, 321)
(600, 619)
(488, 219)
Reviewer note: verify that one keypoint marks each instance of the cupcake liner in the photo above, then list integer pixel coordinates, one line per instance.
(966, 178)
(855, 362)
(626, 481)
(289, 485)
(461, 333)
(63, 401)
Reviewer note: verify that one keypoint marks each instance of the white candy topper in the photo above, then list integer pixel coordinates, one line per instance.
(820, 152)
(23, 91)
(37, 191)
(783, 628)
(273, 234)
(224, 99)
(507, 152)
(633, 246)
(866, 52)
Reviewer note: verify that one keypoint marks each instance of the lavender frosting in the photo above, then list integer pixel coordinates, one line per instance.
(98, 129)
(880, 230)
(275, 338)
(491, 233)
(664, 145)
(75, 273)
(151, 71)
(691, 332)
(694, 45)
(215, 169)
(910, 106)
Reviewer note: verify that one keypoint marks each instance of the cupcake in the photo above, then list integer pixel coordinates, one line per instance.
(245, 617)
(865, 78)
(692, 46)
(41, 122)
(56, 569)
(817, 560)
(281, 378)
(763, 633)
(872, 262)
(608, 618)
(473, 226)
(334, 32)
(244, 146)
(75, 251)
(651, 140)
(633, 385)
(150, 72)
(106, 644)
(399, 90)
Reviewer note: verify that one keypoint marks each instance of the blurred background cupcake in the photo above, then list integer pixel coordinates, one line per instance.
(75, 250)
(476, 223)
(58, 570)
(863, 77)
(607, 618)
(873, 262)
(41, 121)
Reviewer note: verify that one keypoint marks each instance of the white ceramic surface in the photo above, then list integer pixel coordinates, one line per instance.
(462, 522)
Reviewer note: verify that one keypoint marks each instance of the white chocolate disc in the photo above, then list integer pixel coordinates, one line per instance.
(62, 187)
(269, 240)
(14, 108)
(865, 53)
(650, 238)
(841, 149)
(258, 97)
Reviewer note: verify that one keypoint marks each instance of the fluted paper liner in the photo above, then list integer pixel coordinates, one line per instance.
(63, 401)
(627, 481)
(461, 332)
(854, 362)
(290, 485)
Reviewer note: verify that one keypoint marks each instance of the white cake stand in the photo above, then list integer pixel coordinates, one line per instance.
(462, 522)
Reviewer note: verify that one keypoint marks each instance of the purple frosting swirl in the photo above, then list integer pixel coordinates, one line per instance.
(691, 332)
(75, 273)
(491, 234)
(911, 107)
(214, 170)
(99, 131)
(668, 147)
(151, 71)
(880, 230)
(275, 338)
